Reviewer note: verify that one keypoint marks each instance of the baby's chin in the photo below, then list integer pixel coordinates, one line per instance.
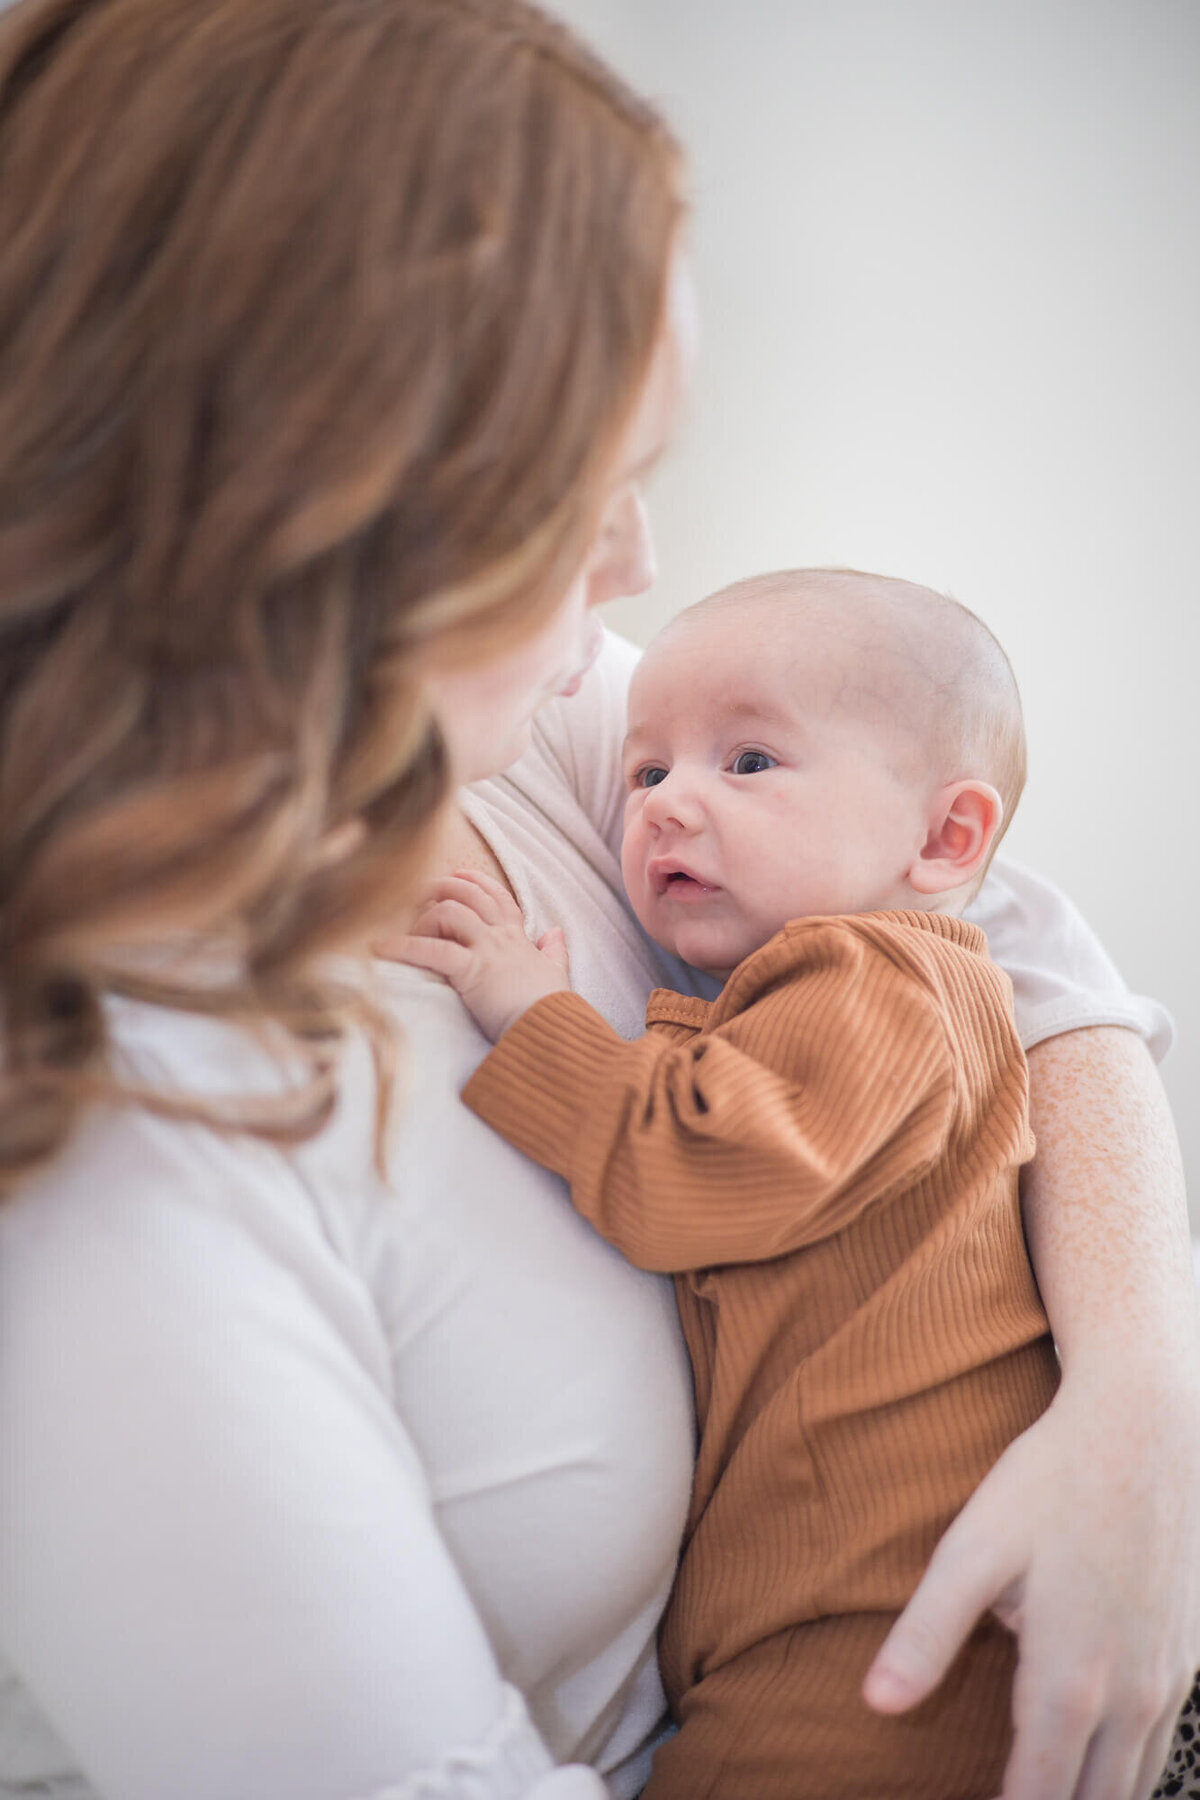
(721, 974)
(700, 943)
(699, 952)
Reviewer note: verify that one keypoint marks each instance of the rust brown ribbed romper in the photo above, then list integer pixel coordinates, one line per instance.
(826, 1158)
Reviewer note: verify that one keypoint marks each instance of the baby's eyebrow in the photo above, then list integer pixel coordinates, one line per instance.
(733, 711)
(765, 711)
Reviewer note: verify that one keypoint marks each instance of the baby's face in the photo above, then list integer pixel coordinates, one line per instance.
(759, 789)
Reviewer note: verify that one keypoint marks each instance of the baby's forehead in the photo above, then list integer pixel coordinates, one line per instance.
(766, 652)
(693, 667)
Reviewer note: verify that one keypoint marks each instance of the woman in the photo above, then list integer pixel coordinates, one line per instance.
(337, 338)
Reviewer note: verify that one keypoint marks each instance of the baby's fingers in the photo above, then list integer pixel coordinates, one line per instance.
(493, 900)
(487, 883)
(451, 919)
(441, 956)
(442, 920)
(553, 943)
(467, 891)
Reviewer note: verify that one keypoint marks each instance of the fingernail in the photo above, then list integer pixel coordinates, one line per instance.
(884, 1687)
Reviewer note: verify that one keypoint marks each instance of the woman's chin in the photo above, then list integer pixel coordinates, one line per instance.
(500, 754)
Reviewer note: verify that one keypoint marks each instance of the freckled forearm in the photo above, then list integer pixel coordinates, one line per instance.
(1105, 1212)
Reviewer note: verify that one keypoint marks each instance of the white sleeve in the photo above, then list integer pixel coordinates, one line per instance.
(1062, 976)
(582, 737)
(221, 1576)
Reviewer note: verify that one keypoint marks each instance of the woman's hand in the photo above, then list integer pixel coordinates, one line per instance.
(470, 931)
(1085, 1537)
(1082, 1539)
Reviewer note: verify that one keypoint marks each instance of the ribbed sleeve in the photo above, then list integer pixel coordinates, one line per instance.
(539, 1083)
(826, 1083)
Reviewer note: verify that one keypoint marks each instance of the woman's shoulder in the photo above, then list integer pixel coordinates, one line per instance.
(142, 1211)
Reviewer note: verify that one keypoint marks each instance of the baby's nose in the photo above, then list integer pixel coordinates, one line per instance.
(673, 801)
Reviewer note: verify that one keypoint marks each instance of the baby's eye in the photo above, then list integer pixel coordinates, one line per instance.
(752, 762)
(650, 777)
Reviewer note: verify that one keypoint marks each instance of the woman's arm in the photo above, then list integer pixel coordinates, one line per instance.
(1085, 1537)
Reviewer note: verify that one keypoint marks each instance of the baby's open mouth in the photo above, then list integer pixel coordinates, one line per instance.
(679, 883)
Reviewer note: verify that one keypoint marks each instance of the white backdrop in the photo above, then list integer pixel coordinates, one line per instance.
(948, 256)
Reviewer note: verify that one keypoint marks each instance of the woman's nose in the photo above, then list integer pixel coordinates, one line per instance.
(624, 562)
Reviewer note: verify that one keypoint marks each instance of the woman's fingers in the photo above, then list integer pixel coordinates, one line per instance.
(1053, 1722)
(1072, 1741)
(965, 1577)
(1075, 1744)
(1111, 1767)
(1071, 1541)
(1127, 1755)
(1158, 1749)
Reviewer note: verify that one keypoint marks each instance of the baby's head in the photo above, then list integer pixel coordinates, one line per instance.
(815, 741)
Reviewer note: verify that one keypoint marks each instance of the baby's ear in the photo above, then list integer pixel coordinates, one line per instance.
(963, 821)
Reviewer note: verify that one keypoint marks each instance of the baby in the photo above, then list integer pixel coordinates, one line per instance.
(819, 765)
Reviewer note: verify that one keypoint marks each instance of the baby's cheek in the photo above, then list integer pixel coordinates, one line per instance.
(630, 843)
(633, 871)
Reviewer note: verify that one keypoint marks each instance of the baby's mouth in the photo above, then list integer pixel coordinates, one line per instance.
(680, 884)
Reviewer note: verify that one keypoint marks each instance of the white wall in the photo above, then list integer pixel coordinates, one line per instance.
(948, 254)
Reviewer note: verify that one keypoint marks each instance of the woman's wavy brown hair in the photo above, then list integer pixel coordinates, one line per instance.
(319, 321)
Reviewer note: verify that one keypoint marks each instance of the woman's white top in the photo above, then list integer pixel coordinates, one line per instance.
(313, 1488)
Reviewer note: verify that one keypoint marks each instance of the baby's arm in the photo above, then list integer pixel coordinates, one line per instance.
(828, 1081)
(470, 931)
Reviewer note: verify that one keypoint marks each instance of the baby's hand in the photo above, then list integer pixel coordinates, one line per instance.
(470, 931)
